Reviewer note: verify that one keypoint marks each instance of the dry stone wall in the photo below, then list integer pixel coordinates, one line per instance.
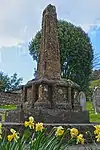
(10, 98)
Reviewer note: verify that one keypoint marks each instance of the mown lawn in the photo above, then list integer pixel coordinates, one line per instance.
(93, 117)
(8, 107)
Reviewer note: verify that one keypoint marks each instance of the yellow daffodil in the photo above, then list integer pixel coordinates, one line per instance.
(39, 127)
(73, 132)
(0, 130)
(97, 129)
(59, 131)
(14, 136)
(31, 119)
(98, 137)
(0, 125)
(29, 123)
(26, 123)
(10, 137)
(80, 139)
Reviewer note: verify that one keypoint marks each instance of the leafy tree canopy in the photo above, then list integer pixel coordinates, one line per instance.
(9, 83)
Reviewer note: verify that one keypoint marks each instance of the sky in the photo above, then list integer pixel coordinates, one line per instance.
(21, 19)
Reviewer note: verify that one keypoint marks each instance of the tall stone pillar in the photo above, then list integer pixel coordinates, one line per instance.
(49, 54)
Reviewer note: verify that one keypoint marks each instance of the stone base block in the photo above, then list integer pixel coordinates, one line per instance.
(42, 105)
(60, 116)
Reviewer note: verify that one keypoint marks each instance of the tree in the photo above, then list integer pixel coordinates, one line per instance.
(76, 53)
(4, 82)
(9, 83)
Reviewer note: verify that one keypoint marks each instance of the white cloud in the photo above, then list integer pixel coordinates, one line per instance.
(20, 19)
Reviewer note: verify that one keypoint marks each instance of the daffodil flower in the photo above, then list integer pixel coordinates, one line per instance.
(80, 139)
(97, 129)
(0, 130)
(98, 137)
(59, 131)
(73, 132)
(14, 136)
(29, 123)
(39, 127)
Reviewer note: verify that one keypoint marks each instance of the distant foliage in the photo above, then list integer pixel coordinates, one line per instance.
(95, 75)
(76, 53)
(9, 83)
(94, 83)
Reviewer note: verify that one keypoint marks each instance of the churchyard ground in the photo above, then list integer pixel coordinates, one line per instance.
(93, 117)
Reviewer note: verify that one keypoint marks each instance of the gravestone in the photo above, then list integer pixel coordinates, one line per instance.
(82, 99)
(96, 99)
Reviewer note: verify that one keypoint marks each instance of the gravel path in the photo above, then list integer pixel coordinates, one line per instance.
(87, 147)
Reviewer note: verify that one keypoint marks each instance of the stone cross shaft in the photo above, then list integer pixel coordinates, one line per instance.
(49, 54)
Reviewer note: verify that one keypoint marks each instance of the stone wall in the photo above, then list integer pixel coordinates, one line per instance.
(14, 116)
(7, 98)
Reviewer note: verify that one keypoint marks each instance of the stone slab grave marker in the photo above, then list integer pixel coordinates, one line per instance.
(96, 99)
(48, 97)
(82, 99)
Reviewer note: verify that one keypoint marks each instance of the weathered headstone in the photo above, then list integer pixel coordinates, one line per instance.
(96, 99)
(82, 99)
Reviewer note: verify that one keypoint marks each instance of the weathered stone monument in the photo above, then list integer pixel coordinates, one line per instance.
(96, 99)
(48, 97)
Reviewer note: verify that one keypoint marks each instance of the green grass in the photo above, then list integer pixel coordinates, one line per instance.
(93, 117)
(8, 107)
